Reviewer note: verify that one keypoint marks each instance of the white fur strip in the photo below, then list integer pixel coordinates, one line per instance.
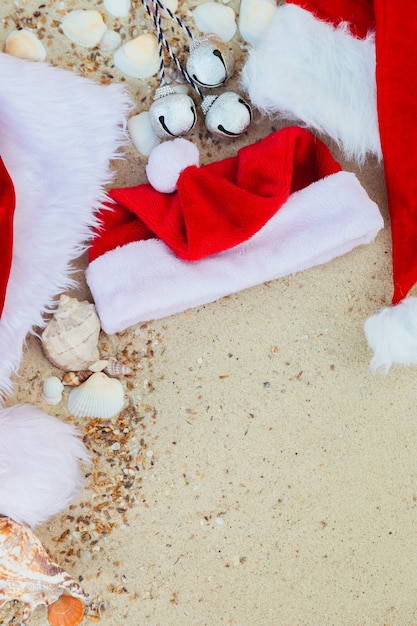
(392, 335)
(58, 133)
(306, 70)
(145, 280)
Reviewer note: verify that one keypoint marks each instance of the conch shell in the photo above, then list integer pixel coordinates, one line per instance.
(70, 339)
(27, 573)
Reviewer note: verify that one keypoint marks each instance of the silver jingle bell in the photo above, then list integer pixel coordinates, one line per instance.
(227, 115)
(210, 62)
(172, 114)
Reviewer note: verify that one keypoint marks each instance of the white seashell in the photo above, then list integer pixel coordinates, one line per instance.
(172, 5)
(212, 17)
(84, 27)
(254, 18)
(28, 574)
(117, 368)
(118, 8)
(98, 396)
(98, 366)
(70, 339)
(110, 41)
(142, 134)
(138, 57)
(25, 45)
(52, 390)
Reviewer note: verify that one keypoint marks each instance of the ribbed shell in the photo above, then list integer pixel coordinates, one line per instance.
(99, 396)
(66, 611)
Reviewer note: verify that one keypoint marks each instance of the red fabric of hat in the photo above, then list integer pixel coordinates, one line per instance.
(7, 206)
(358, 16)
(219, 205)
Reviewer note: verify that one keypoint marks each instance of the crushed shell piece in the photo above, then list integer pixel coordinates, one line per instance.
(99, 396)
(84, 27)
(254, 18)
(25, 45)
(212, 17)
(110, 41)
(142, 134)
(27, 573)
(118, 8)
(138, 57)
(74, 379)
(52, 390)
(66, 611)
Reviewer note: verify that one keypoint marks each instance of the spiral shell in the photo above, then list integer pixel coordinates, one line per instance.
(99, 396)
(27, 573)
(70, 339)
(117, 368)
(74, 379)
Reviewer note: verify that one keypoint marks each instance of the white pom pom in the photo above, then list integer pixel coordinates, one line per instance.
(168, 160)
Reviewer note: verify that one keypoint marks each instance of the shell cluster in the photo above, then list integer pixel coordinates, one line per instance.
(70, 340)
(29, 575)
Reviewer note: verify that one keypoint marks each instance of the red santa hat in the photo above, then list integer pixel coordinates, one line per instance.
(344, 68)
(58, 134)
(279, 206)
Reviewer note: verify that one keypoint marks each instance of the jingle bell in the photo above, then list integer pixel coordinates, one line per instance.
(227, 115)
(172, 114)
(210, 62)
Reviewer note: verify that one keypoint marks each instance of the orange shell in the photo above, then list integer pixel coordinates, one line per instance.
(66, 611)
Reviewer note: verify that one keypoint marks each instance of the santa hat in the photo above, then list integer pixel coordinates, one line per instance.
(344, 68)
(281, 205)
(58, 134)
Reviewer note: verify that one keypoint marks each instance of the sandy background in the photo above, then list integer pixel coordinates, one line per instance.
(261, 475)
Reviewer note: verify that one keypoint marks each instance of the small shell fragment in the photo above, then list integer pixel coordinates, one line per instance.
(25, 45)
(74, 379)
(254, 17)
(66, 611)
(84, 27)
(52, 390)
(110, 41)
(142, 134)
(118, 8)
(138, 57)
(212, 17)
(98, 366)
(99, 396)
(117, 368)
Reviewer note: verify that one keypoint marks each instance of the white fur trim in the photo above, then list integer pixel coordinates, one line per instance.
(39, 469)
(145, 280)
(392, 335)
(58, 132)
(306, 70)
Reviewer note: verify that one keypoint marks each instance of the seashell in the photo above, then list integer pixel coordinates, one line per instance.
(118, 8)
(25, 45)
(110, 41)
(254, 17)
(52, 390)
(74, 379)
(84, 27)
(117, 368)
(99, 396)
(70, 339)
(172, 5)
(138, 57)
(27, 573)
(66, 611)
(143, 136)
(212, 17)
(98, 366)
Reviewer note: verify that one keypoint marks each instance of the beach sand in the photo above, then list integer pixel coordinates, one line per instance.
(261, 474)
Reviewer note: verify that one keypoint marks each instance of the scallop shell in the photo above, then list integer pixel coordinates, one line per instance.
(138, 57)
(254, 17)
(213, 17)
(74, 379)
(70, 339)
(117, 368)
(84, 27)
(118, 8)
(142, 134)
(52, 390)
(66, 611)
(99, 396)
(25, 45)
(27, 573)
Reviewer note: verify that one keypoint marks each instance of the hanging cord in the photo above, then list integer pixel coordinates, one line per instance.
(162, 41)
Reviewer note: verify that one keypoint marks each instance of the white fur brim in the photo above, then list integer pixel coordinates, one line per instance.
(145, 280)
(306, 70)
(392, 335)
(39, 464)
(58, 134)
